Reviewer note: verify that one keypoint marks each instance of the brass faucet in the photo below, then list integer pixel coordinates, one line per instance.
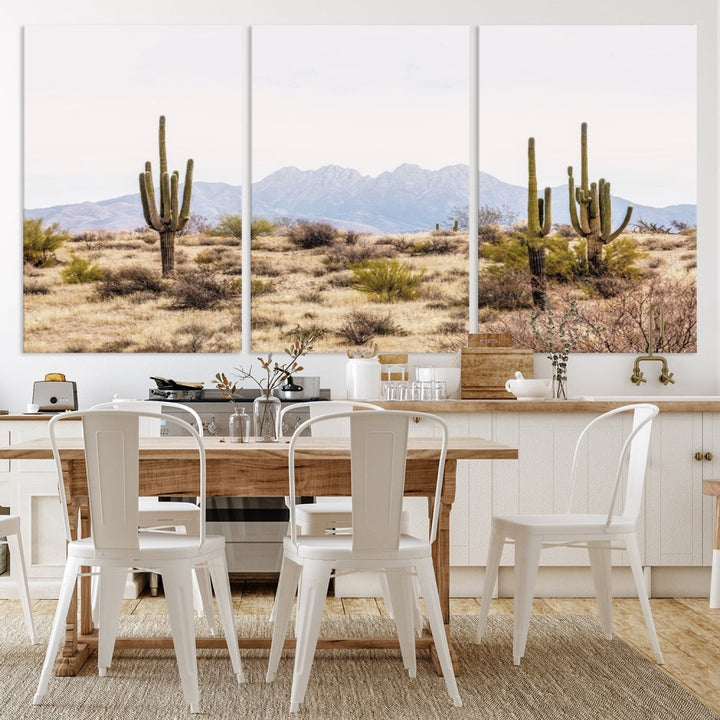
(666, 377)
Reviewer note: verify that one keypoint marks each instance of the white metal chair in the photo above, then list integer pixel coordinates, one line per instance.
(335, 514)
(10, 530)
(157, 514)
(111, 441)
(378, 447)
(596, 532)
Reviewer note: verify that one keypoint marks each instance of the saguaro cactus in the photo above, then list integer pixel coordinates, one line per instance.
(595, 220)
(538, 226)
(171, 217)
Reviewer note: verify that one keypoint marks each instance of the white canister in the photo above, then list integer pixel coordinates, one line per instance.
(363, 379)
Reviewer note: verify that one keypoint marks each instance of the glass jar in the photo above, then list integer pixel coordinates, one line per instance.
(239, 427)
(266, 418)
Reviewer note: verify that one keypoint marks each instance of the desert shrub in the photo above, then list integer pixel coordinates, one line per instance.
(504, 288)
(33, 287)
(361, 326)
(261, 287)
(490, 233)
(307, 235)
(149, 239)
(451, 327)
(620, 257)
(127, 281)
(92, 239)
(200, 290)
(209, 256)
(437, 245)
(386, 280)
(342, 256)
(40, 242)
(196, 225)
(81, 270)
(508, 250)
(565, 262)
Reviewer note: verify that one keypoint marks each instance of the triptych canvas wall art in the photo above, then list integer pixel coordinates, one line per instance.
(362, 147)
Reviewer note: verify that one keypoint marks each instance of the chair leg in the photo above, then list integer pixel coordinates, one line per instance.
(57, 632)
(428, 585)
(601, 568)
(217, 568)
(17, 561)
(205, 605)
(311, 603)
(284, 598)
(177, 582)
(636, 566)
(497, 542)
(527, 558)
(399, 588)
(111, 582)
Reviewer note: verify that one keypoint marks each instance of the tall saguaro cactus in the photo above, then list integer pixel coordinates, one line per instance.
(171, 217)
(595, 220)
(538, 226)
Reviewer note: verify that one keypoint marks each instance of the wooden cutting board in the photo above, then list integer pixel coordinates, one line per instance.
(484, 371)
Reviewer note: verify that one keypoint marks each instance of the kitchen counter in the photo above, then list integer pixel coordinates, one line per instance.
(597, 404)
(591, 404)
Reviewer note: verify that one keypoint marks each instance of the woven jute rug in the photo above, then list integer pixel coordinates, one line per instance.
(570, 671)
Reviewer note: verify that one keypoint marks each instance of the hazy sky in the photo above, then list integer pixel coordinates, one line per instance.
(370, 98)
(634, 86)
(365, 97)
(93, 97)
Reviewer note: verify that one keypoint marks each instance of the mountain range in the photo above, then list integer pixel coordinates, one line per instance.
(403, 200)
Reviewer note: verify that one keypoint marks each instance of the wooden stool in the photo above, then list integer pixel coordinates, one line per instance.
(712, 487)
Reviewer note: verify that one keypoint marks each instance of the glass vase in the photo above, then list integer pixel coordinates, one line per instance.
(559, 375)
(266, 416)
(239, 427)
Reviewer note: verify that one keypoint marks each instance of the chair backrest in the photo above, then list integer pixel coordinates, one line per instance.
(151, 406)
(112, 456)
(633, 455)
(378, 451)
(337, 428)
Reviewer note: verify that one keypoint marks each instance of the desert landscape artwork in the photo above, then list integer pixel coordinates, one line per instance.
(360, 225)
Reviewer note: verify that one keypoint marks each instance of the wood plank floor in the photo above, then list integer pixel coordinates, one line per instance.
(689, 631)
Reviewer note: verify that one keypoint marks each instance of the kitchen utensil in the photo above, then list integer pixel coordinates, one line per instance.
(54, 396)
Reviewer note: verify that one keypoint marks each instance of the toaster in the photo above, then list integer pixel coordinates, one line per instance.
(55, 396)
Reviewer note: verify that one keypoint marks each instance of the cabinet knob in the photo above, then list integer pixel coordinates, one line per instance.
(698, 456)
(708, 456)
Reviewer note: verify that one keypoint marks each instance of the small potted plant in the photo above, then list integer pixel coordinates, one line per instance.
(266, 407)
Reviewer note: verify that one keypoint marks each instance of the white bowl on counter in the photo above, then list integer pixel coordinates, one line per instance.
(529, 389)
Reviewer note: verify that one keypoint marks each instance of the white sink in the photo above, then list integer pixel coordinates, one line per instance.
(651, 398)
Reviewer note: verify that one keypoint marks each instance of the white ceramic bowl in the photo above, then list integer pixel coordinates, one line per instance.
(527, 389)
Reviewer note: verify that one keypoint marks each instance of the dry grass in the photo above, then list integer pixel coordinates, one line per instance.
(307, 288)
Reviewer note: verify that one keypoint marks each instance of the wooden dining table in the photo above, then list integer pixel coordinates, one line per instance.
(169, 467)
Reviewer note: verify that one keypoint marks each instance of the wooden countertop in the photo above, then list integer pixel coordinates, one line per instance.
(579, 405)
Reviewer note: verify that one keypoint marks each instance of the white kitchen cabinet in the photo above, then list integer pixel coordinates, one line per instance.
(679, 518)
(29, 489)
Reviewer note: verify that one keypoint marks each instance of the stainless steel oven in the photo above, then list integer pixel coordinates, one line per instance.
(254, 528)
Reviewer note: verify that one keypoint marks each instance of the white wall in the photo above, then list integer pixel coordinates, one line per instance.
(98, 376)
